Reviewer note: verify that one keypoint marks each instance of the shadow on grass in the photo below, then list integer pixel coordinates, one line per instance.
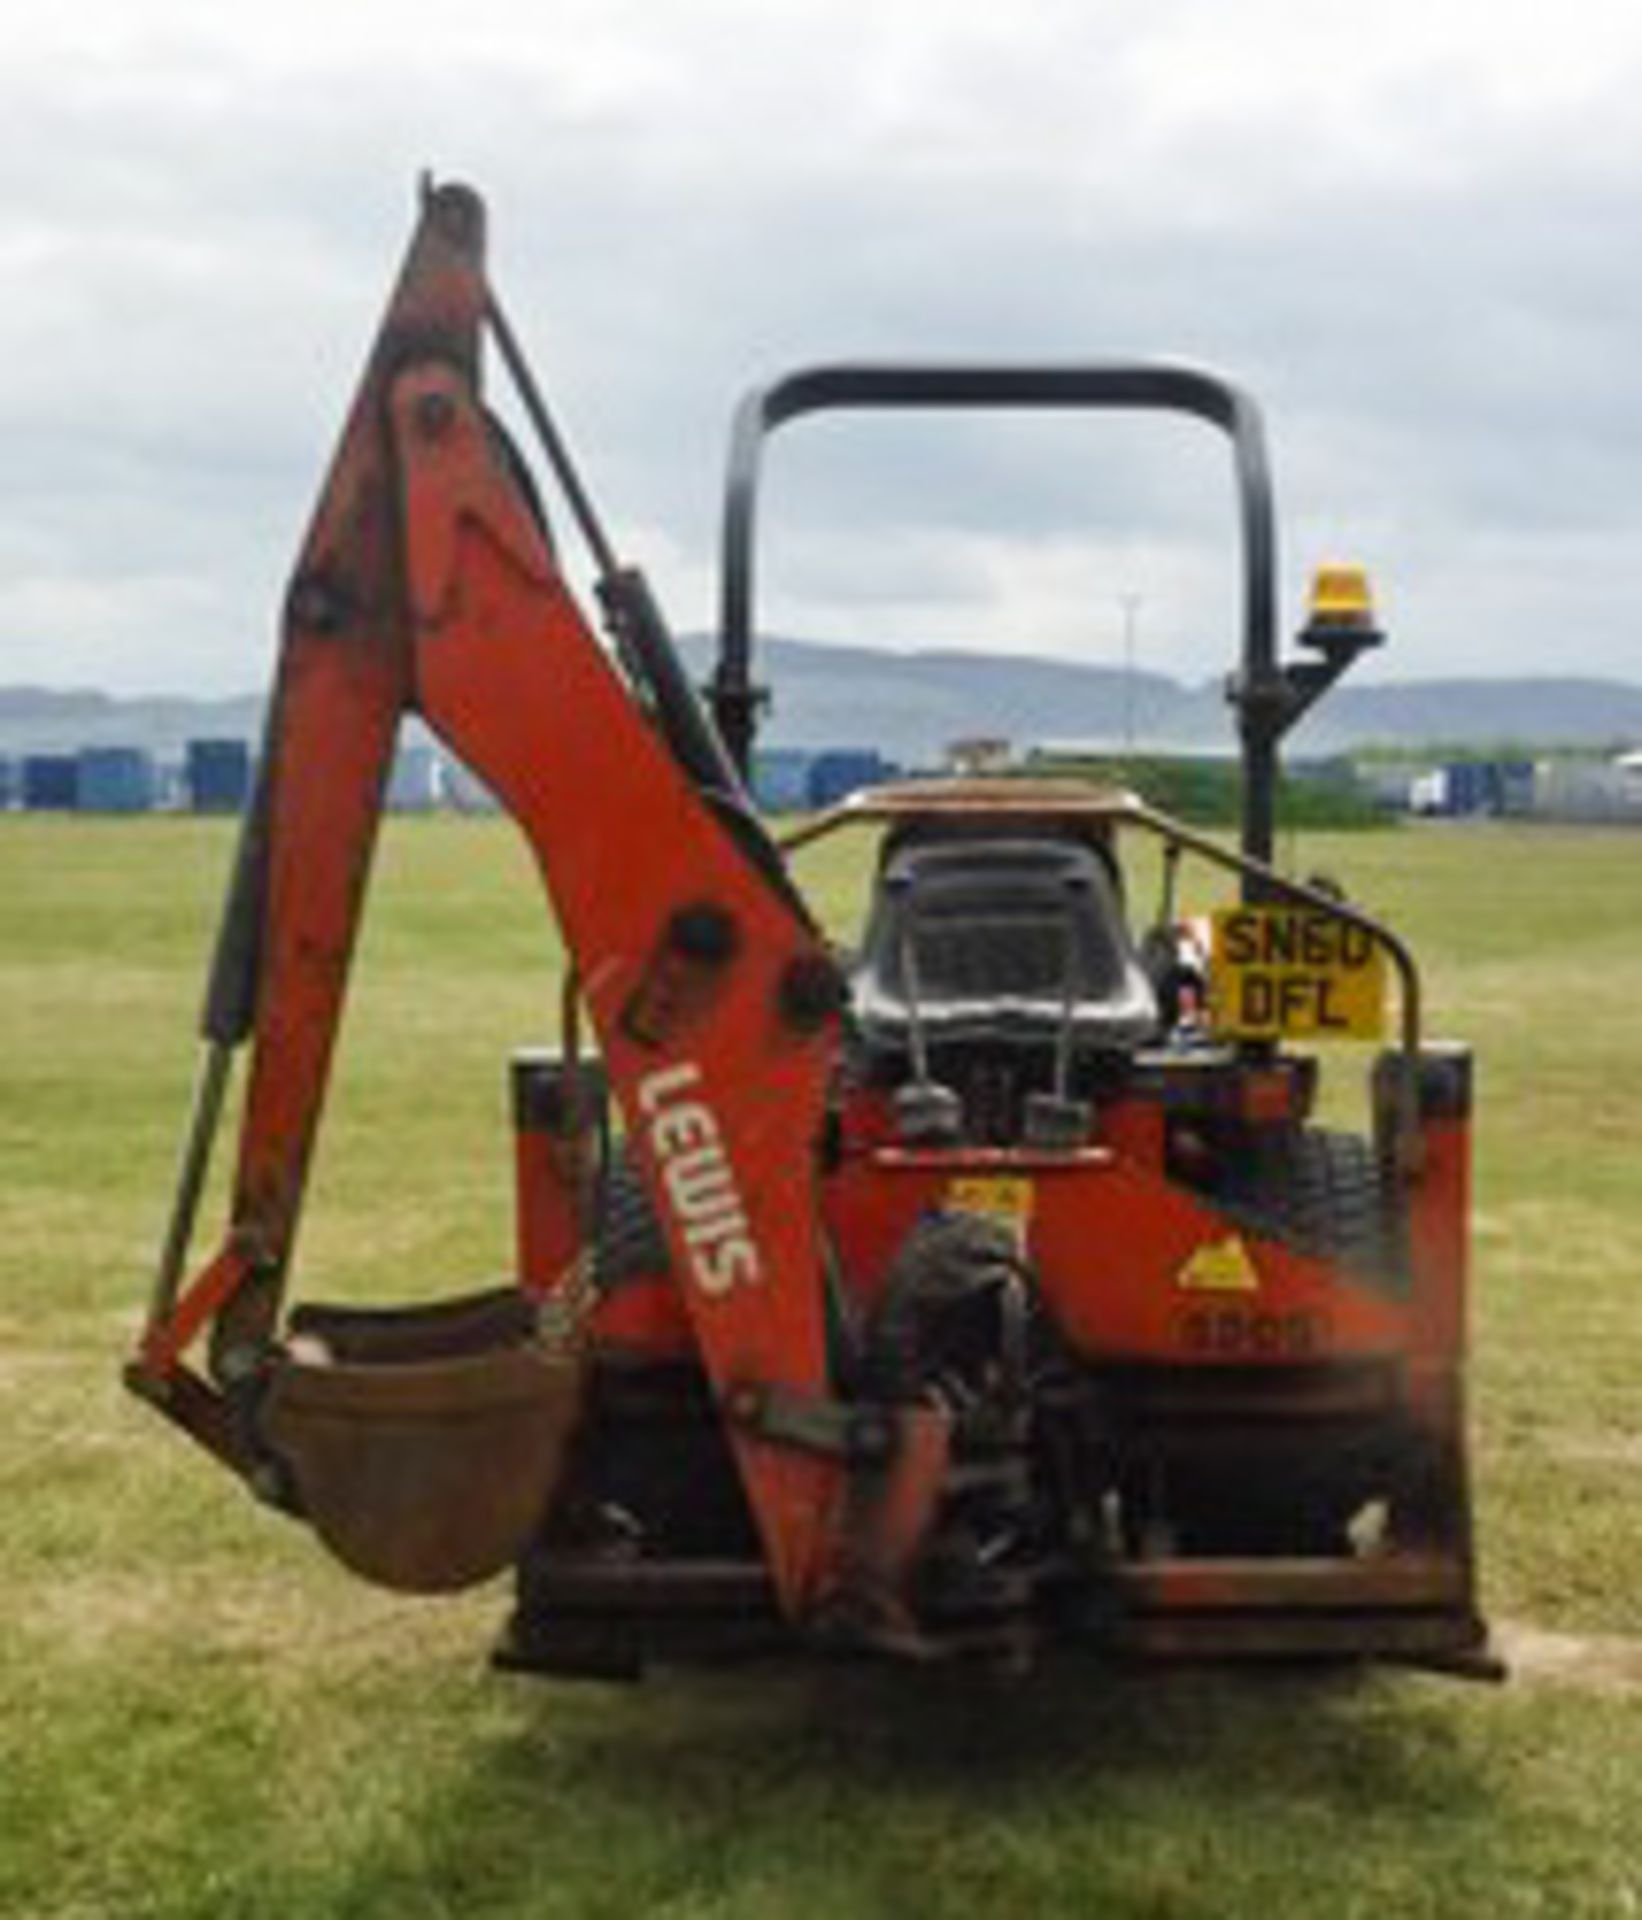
(1319, 1730)
(767, 1791)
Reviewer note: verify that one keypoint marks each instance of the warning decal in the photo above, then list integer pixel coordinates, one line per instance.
(1219, 1266)
(1296, 972)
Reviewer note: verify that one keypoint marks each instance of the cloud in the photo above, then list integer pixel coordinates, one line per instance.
(1407, 231)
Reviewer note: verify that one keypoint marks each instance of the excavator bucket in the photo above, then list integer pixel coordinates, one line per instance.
(423, 1444)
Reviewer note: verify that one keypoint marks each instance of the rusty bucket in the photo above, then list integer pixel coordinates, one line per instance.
(425, 1444)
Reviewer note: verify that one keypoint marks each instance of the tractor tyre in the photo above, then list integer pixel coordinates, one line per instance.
(655, 1470)
(1324, 1194)
(631, 1245)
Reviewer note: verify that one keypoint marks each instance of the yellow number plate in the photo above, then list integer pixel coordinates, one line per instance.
(1004, 1197)
(1293, 972)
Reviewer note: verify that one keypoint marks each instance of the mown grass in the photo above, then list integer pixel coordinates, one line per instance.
(202, 1717)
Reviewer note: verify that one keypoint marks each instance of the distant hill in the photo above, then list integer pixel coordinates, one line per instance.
(43, 720)
(1548, 712)
(910, 705)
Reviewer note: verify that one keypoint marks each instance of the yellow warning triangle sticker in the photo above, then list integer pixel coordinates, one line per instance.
(1220, 1266)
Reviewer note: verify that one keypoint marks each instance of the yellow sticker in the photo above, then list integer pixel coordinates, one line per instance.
(1295, 971)
(998, 1196)
(1219, 1266)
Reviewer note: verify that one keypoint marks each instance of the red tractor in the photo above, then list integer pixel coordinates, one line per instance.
(984, 1292)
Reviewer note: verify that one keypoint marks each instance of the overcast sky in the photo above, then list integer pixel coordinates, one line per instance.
(1410, 228)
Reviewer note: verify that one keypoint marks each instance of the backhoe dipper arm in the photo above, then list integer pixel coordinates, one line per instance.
(427, 583)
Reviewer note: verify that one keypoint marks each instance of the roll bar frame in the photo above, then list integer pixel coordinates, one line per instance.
(1268, 697)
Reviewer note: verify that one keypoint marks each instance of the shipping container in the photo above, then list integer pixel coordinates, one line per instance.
(115, 780)
(218, 775)
(1468, 788)
(1575, 789)
(781, 779)
(51, 782)
(843, 770)
(465, 792)
(415, 784)
(1516, 788)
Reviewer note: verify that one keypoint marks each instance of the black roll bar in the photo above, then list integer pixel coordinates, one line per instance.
(1260, 690)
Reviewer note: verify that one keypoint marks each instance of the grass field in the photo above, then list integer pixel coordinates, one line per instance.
(202, 1717)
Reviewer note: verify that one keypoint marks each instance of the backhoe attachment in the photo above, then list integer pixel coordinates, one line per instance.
(426, 1443)
(1008, 1290)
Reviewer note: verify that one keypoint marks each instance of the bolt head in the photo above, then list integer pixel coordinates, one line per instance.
(812, 991)
(238, 1364)
(435, 415)
(313, 603)
(704, 932)
(871, 1438)
(267, 1483)
(744, 1404)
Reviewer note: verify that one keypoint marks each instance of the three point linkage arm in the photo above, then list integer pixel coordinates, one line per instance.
(427, 584)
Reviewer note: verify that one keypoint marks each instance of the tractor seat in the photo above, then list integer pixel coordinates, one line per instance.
(993, 938)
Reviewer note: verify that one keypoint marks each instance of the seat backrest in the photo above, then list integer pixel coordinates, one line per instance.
(1000, 933)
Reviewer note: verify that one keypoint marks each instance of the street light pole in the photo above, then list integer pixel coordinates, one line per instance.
(1130, 603)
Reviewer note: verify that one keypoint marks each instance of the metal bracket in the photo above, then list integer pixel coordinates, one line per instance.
(860, 1435)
